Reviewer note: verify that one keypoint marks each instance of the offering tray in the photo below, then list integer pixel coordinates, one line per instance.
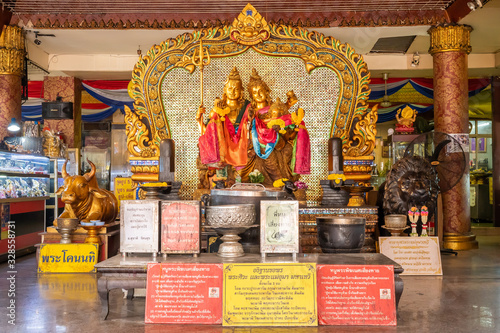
(230, 247)
(155, 191)
(93, 233)
(395, 231)
(357, 194)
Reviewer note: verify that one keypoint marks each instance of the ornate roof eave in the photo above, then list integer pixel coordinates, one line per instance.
(198, 21)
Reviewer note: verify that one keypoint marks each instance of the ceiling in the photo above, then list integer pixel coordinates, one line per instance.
(82, 27)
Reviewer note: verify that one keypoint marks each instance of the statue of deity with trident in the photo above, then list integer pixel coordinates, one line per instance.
(223, 142)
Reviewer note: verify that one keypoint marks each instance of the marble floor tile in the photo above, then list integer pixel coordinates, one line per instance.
(465, 299)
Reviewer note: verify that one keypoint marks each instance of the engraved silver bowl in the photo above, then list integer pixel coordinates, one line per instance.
(229, 221)
(230, 216)
(66, 226)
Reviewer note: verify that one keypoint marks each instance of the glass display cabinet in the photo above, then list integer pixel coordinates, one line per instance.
(23, 176)
(24, 187)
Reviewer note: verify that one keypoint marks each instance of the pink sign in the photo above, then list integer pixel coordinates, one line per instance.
(184, 293)
(356, 295)
(180, 227)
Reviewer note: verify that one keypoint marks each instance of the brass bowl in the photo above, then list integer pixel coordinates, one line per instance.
(67, 223)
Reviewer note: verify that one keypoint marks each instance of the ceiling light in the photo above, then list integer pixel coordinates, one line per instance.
(13, 126)
(385, 102)
(473, 5)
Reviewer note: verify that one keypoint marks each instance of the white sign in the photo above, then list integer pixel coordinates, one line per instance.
(417, 255)
(279, 226)
(139, 226)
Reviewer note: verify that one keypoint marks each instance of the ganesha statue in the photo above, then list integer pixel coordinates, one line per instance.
(242, 136)
(405, 118)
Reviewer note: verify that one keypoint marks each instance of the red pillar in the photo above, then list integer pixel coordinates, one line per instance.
(11, 70)
(450, 46)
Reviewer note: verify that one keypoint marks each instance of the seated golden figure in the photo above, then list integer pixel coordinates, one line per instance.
(405, 118)
(279, 146)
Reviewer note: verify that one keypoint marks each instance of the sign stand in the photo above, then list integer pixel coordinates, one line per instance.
(139, 227)
(279, 227)
(180, 228)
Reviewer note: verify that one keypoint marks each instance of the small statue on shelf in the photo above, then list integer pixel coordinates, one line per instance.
(405, 118)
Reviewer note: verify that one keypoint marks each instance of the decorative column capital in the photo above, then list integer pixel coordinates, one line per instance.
(450, 38)
(12, 50)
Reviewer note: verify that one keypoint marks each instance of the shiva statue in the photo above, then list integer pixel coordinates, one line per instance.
(224, 138)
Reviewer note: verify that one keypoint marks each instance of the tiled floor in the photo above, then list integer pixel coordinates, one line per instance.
(465, 299)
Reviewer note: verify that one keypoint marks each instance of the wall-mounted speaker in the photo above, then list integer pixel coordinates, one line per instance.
(57, 110)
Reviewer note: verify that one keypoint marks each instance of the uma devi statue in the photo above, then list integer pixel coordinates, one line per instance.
(241, 137)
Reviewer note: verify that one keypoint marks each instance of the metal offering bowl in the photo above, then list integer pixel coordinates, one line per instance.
(395, 221)
(341, 234)
(230, 216)
(66, 226)
(67, 223)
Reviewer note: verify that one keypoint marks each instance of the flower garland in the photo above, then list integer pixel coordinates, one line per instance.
(280, 182)
(222, 112)
(297, 119)
(279, 122)
(336, 177)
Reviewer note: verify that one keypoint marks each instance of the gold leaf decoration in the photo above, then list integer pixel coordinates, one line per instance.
(138, 141)
(249, 28)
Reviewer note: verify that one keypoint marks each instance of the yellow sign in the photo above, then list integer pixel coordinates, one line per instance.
(124, 189)
(67, 258)
(270, 294)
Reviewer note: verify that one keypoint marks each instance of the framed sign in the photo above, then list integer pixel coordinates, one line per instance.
(180, 227)
(184, 294)
(139, 226)
(356, 295)
(279, 227)
(270, 294)
(417, 255)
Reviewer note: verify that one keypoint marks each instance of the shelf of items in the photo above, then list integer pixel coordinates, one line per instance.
(398, 144)
(24, 188)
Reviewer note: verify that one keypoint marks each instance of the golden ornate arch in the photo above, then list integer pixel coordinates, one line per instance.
(147, 124)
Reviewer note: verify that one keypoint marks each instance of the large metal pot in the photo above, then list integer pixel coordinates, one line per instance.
(341, 234)
(243, 193)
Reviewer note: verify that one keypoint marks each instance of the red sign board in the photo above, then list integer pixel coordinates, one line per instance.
(356, 295)
(180, 227)
(184, 293)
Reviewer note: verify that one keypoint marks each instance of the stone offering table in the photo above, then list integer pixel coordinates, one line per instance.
(131, 272)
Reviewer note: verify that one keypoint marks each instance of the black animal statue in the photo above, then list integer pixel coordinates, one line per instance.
(289, 189)
(411, 182)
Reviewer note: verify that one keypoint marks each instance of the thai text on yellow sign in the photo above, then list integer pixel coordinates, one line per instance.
(124, 189)
(67, 258)
(270, 294)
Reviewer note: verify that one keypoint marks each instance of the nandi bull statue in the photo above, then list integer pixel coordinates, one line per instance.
(84, 200)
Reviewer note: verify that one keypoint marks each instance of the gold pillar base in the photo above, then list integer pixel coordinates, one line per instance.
(458, 242)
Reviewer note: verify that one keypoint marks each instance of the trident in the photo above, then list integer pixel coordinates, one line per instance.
(200, 60)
